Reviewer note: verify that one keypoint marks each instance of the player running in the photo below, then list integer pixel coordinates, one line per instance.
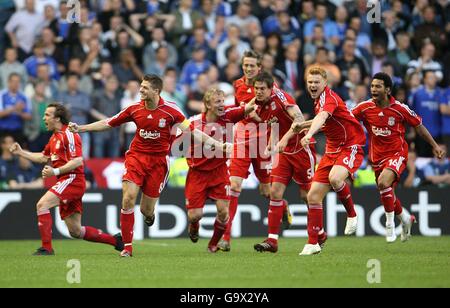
(64, 151)
(147, 161)
(343, 155)
(385, 119)
(246, 145)
(292, 161)
(208, 175)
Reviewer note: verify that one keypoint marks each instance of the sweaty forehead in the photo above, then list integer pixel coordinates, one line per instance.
(249, 61)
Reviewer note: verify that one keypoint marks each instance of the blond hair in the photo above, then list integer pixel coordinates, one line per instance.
(317, 70)
(210, 94)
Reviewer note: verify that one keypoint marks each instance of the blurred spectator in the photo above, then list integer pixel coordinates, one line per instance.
(437, 172)
(35, 129)
(426, 102)
(51, 20)
(25, 175)
(387, 30)
(306, 12)
(445, 111)
(341, 15)
(322, 60)
(39, 57)
(233, 39)
(293, 69)
(171, 94)
(410, 177)
(426, 62)
(15, 108)
(23, 27)
(318, 40)
(430, 30)
(43, 75)
(329, 27)
(161, 62)
(362, 38)
(125, 38)
(7, 9)
(354, 78)
(198, 39)
(349, 59)
(11, 65)
(105, 104)
(158, 39)
(287, 26)
(130, 96)
(379, 56)
(268, 65)
(192, 68)
(85, 83)
(186, 19)
(213, 77)
(388, 68)
(243, 19)
(80, 107)
(127, 68)
(403, 52)
(259, 44)
(274, 47)
(7, 160)
(51, 49)
(357, 94)
(195, 100)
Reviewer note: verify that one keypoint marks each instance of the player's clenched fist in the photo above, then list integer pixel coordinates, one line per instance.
(73, 127)
(15, 148)
(47, 172)
(228, 147)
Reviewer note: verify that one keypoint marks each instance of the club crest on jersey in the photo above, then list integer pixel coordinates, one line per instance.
(162, 123)
(391, 121)
(273, 105)
(58, 144)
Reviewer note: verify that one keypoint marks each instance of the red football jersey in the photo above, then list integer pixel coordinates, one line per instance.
(386, 128)
(275, 111)
(155, 128)
(218, 130)
(341, 128)
(62, 147)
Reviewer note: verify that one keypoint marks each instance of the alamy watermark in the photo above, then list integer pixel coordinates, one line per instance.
(74, 274)
(74, 13)
(374, 11)
(374, 273)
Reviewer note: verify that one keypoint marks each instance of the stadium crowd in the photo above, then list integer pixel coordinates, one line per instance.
(92, 61)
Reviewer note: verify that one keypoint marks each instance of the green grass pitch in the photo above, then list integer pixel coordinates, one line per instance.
(421, 262)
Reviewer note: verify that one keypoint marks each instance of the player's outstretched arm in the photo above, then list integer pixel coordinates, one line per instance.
(318, 121)
(69, 166)
(298, 127)
(38, 158)
(425, 134)
(98, 126)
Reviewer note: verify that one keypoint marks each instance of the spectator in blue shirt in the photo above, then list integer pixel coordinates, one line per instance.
(15, 108)
(193, 68)
(426, 102)
(329, 27)
(445, 111)
(79, 106)
(39, 57)
(437, 171)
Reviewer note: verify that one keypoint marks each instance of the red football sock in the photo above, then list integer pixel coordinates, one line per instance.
(45, 222)
(345, 197)
(96, 235)
(398, 209)
(232, 211)
(387, 198)
(127, 226)
(219, 229)
(275, 215)
(315, 222)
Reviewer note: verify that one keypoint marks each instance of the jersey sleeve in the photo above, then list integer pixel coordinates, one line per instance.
(46, 151)
(410, 116)
(120, 118)
(330, 105)
(285, 99)
(180, 120)
(73, 145)
(234, 114)
(357, 112)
